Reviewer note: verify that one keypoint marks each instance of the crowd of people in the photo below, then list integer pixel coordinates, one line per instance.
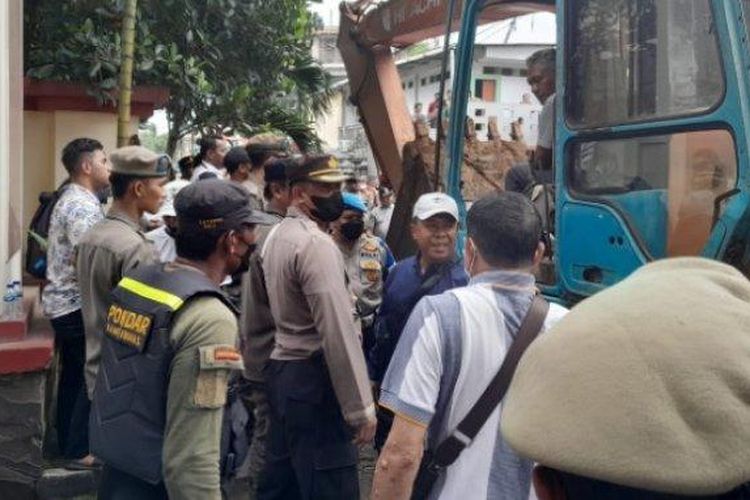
(338, 346)
(263, 279)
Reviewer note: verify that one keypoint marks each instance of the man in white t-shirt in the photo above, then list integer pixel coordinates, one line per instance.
(450, 350)
(541, 77)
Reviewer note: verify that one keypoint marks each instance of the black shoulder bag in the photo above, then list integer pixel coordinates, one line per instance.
(447, 452)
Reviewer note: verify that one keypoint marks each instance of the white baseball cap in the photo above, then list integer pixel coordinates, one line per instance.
(435, 203)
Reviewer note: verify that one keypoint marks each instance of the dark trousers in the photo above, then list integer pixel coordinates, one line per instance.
(117, 485)
(310, 454)
(72, 402)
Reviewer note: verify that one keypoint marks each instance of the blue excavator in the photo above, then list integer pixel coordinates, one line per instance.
(652, 117)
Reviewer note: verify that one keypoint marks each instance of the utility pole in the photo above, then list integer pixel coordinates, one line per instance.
(126, 72)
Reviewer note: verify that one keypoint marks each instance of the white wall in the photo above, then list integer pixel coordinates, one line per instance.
(327, 126)
(45, 134)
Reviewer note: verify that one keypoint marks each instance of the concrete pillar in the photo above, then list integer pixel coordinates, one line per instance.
(11, 138)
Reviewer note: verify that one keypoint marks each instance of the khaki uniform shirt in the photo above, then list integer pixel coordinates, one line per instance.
(108, 250)
(196, 397)
(312, 307)
(257, 327)
(365, 264)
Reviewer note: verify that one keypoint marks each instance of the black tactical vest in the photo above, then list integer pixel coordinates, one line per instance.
(128, 413)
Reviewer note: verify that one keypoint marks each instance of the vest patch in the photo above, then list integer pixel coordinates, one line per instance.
(220, 356)
(128, 327)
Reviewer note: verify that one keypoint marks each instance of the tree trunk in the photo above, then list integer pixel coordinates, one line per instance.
(126, 73)
(172, 140)
(176, 121)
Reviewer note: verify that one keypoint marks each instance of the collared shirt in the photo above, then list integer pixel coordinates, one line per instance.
(77, 210)
(451, 348)
(257, 327)
(313, 310)
(107, 251)
(402, 292)
(206, 167)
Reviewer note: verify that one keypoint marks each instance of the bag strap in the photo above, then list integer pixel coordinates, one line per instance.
(448, 451)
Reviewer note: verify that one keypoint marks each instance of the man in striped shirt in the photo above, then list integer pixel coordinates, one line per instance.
(452, 347)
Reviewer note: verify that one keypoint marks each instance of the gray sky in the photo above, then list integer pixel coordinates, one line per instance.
(328, 10)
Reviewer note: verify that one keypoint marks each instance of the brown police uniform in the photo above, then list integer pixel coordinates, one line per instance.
(108, 250)
(365, 265)
(318, 384)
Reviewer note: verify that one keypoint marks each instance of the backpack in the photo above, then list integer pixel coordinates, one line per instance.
(36, 238)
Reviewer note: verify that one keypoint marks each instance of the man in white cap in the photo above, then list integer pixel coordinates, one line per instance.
(434, 270)
(641, 392)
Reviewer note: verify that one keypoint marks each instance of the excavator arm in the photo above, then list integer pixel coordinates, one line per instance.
(367, 35)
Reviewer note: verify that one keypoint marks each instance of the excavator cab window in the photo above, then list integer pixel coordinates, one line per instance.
(637, 60)
(665, 186)
(633, 62)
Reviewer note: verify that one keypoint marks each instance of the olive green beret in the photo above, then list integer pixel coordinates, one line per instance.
(646, 384)
(140, 162)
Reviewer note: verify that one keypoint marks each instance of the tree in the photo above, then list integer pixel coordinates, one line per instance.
(229, 64)
(151, 139)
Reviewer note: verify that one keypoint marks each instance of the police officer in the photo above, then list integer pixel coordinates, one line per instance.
(257, 327)
(367, 261)
(169, 345)
(320, 398)
(116, 244)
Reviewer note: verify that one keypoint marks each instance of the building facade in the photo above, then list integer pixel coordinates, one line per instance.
(498, 89)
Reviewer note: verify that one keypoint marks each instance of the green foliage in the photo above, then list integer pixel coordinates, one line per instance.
(229, 64)
(150, 139)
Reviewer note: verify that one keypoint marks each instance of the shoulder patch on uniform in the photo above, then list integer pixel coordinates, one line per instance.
(370, 246)
(370, 264)
(220, 356)
(371, 269)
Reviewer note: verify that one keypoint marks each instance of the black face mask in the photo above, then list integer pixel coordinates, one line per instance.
(353, 229)
(328, 209)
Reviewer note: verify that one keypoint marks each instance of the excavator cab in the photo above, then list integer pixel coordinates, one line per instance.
(651, 139)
